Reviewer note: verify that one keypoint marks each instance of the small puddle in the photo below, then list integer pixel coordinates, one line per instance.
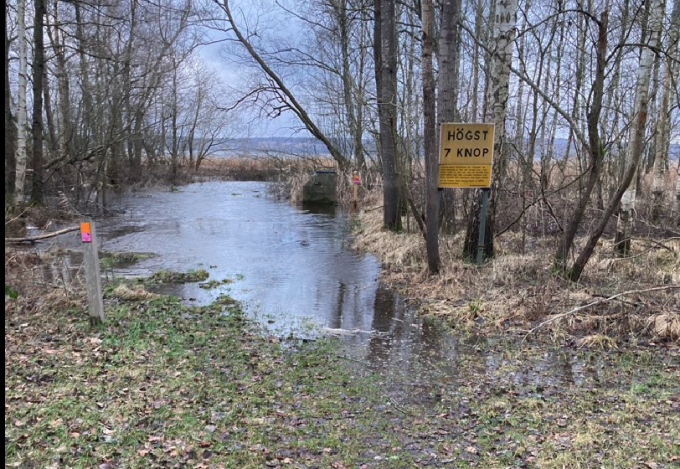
(295, 273)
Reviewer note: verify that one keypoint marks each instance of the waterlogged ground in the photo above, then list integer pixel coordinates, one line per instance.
(206, 382)
(169, 385)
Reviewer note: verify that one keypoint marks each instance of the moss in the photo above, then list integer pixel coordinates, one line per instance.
(168, 276)
(110, 260)
(215, 283)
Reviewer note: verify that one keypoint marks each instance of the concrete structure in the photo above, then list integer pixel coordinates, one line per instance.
(320, 189)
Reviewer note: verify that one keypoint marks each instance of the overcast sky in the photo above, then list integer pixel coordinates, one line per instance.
(266, 17)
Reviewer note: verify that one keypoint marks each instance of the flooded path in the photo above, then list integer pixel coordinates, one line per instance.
(295, 273)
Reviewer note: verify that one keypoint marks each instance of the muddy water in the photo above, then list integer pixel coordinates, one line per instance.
(294, 271)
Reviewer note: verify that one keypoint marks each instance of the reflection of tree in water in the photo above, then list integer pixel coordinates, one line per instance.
(336, 318)
(419, 351)
(384, 308)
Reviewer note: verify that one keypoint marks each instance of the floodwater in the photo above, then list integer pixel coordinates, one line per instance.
(295, 272)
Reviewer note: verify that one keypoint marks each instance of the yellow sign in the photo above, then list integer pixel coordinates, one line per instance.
(465, 155)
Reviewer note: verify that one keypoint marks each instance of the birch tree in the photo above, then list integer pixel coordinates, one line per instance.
(448, 86)
(634, 150)
(21, 150)
(662, 138)
(497, 92)
(637, 129)
(676, 202)
(10, 128)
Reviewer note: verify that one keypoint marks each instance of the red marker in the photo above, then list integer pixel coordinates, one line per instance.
(85, 232)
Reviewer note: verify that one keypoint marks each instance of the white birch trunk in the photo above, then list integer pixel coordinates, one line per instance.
(663, 124)
(498, 87)
(637, 129)
(61, 75)
(499, 76)
(676, 201)
(479, 15)
(497, 92)
(19, 187)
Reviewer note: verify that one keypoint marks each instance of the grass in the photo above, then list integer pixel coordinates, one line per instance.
(110, 260)
(169, 276)
(215, 283)
(162, 384)
(515, 292)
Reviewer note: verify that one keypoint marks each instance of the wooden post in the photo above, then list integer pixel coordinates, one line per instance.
(95, 299)
(355, 190)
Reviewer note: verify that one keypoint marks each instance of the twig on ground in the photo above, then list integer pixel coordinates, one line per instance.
(661, 245)
(594, 303)
(630, 303)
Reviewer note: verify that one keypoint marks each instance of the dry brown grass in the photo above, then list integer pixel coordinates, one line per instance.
(263, 168)
(517, 290)
(600, 341)
(46, 281)
(665, 325)
(124, 292)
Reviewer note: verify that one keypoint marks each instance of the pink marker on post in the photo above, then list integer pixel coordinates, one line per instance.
(85, 232)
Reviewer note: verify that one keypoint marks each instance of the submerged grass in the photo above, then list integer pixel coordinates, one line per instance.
(169, 276)
(110, 259)
(162, 384)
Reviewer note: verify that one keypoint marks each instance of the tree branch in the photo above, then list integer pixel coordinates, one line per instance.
(597, 302)
(33, 239)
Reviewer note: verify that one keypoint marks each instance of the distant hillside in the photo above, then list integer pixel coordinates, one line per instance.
(308, 146)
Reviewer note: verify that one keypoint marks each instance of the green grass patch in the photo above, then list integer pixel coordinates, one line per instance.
(110, 260)
(211, 284)
(169, 276)
(162, 384)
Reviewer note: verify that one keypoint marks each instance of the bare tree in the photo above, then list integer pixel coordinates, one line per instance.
(38, 81)
(634, 149)
(336, 62)
(676, 201)
(387, 110)
(10, 128)
(662, 138)
(497, 99)
(21, 150)
(430, 140)
(448, 91)
(637, 129)
(592, 144)
(284, 93)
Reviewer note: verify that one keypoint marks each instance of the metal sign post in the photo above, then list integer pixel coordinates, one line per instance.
(465, 161)
(482, 227)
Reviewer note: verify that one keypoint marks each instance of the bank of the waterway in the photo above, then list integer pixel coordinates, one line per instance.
(169, 383)
(295, 272)
(163, 384)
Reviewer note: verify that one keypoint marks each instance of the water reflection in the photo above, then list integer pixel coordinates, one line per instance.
(386, 324)
(292, 268)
